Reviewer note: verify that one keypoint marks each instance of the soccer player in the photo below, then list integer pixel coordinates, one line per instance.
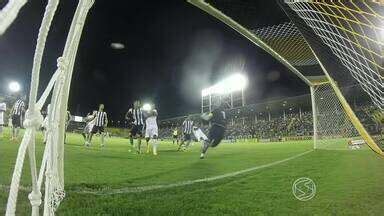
(199, 134)
(151, 130)
(101, 121)
(135, 116)
(3, 108)
(175, 134)
(90, 123)
(217, 128)
(67, 121)
(187, 132)
(17, 112)
(46, 124)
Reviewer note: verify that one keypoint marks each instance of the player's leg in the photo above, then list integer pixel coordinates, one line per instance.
(132, 136)
(139, 144)
(13, 129)
(90, 136)
(211, 139)
(147, 139)
(155, 134)
(102, 136)
(17, 125)
(155, 144)
(181, 142)
(187, 142)
(216, 134)
(95, 129)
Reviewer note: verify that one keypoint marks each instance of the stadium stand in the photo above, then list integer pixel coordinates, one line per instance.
(289, 118)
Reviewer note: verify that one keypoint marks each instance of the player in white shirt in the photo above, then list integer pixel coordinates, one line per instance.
(199, 134)
(3, 108)
(151, 129)
(90, 123)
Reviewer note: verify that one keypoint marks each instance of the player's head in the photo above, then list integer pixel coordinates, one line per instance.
(136, 104)
(101, 107)
(20, 96)
(217, 104)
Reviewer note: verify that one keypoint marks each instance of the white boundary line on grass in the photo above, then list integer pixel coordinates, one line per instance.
(127, 190)
(189, 182)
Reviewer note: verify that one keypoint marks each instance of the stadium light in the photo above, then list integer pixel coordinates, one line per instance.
(236, 82)
(147, 107)
(14, 86)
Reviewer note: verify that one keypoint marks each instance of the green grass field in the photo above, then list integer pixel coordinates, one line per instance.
(348, 182)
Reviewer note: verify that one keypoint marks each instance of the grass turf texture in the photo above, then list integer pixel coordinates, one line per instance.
(348, 182)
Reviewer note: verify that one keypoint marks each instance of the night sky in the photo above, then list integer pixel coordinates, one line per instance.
(172, 51)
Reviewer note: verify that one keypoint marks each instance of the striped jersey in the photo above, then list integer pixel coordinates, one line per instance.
(100, 118)
(187, 126)
(18, 107)
(137, 115)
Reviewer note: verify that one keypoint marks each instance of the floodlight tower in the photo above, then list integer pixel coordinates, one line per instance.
(229, 91)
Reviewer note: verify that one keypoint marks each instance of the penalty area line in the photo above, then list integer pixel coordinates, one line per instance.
(140, 189)
(128, 190)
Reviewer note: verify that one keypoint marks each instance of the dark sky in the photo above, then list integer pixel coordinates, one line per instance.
(173, 50)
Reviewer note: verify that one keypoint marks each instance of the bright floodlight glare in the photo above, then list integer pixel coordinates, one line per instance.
(236, 82)
(147, 107)
(14, 86)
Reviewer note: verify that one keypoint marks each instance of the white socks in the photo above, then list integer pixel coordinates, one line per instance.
(154, 146)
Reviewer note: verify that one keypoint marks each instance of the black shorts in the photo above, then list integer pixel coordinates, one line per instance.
(97, 129)
(215, 135)
(187, 137)
(16, 121)
(175, 136)
(137, 130)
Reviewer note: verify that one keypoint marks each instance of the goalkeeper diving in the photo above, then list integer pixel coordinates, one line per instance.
(217, 120)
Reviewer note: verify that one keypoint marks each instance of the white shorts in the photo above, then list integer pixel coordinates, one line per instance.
(151, 131)
(89, 127)
(199, 134)
(1, 118)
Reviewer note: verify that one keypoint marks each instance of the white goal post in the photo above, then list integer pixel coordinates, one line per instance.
(52, 166)
(332, 128)
(9, 13)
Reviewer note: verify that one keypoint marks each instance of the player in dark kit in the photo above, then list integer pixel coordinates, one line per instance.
(136, 118)
(217, 129)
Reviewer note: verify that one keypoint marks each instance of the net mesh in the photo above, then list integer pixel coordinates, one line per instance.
(287, 40)
(332, 127)
(354, 31)
(247, 14)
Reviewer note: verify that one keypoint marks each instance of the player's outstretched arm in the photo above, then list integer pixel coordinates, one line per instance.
(206, 116)
(127, 115)
(106, 120)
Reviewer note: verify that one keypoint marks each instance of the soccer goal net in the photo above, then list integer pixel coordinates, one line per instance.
(332, 128)
(341, 42)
